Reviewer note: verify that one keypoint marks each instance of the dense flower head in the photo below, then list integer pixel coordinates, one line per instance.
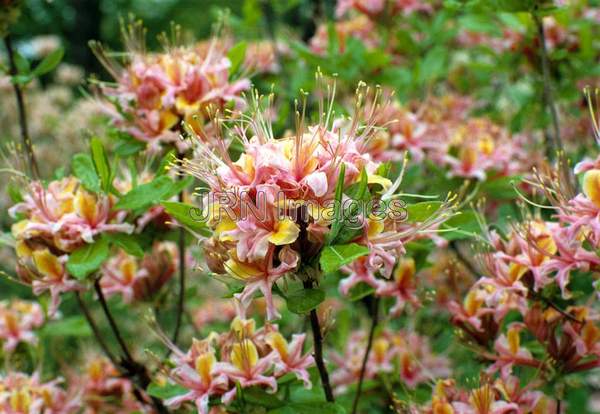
(442, 131)
(244, 356)
(27, 394)
(54, 221)
(257, 204)
(375, 8)
(155, 92)
(403, 354)
(137, 279)
(18, 320)
(505, 395)
(104, 390)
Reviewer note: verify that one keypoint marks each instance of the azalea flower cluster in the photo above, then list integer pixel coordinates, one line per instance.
(138, 279)
(53, 222)
(244, 356)
(103, 389)
(504, 395)
(155, 92)
(360, 19)
(519, 274)
(24, 394)
(402, 354)
(442, 132)
(18, 320)
(272, 209)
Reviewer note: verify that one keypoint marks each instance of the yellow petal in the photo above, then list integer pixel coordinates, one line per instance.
(183, 106)
(168, 120)
(377, 179)
(244, 354)
(514, 340)
(18, 228)
(376, 226)
(47, 264)
(22, 249)
(242, 271)
(405, 270)
(591, 186)
(204, 365)
(243, 328)
(278, 343)
(226, 224)
(286, 232)
(85, 205)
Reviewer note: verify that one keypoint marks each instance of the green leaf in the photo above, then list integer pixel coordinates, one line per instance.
(262, 398)
(338, 213)
(127, 145)
(127, 242)
(304, 300)
(188, 216)
(310, 408)
(73, 326)
(466, 224)
(146, 194)
(49, 62)
(83, 168)
(360, 291)
(87, 259)
(22, 64)
(419, 212)
(166, 391)
(501, 188)
(434, 64)
(336, 256)
(101, 164)
(236, 56)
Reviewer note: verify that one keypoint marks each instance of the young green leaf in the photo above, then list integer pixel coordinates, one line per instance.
(188, 216)
(419, 212)
(146, 194)
(336, 256)
(165, 391)
(49, 62)
(101, 164)
(127, 242)
(338, 211)
(87, 259)
(83, 168)
(304, 300)
(236, 56)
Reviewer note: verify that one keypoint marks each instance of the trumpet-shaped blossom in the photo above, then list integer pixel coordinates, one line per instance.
(18, 319)
(242, 357)
(139, 279)
(155, 92)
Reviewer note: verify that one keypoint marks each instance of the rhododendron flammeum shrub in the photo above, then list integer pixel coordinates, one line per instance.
(359, 206)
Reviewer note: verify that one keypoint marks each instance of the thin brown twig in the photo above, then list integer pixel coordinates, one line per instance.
(318, 349)
(374, 321)
(111, 321)
(95, 330)
(548, 92)
(128, 363)
(181, 294)
(26, 140)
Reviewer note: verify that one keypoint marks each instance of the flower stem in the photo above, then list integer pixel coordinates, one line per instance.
(95, 330)
(128, 363)
(548, 93)
(181, 295)
(318, 345)
(26, 141)
(111, 321)
(374, 311)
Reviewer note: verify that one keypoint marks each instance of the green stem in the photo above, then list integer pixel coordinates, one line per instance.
(25, 139)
